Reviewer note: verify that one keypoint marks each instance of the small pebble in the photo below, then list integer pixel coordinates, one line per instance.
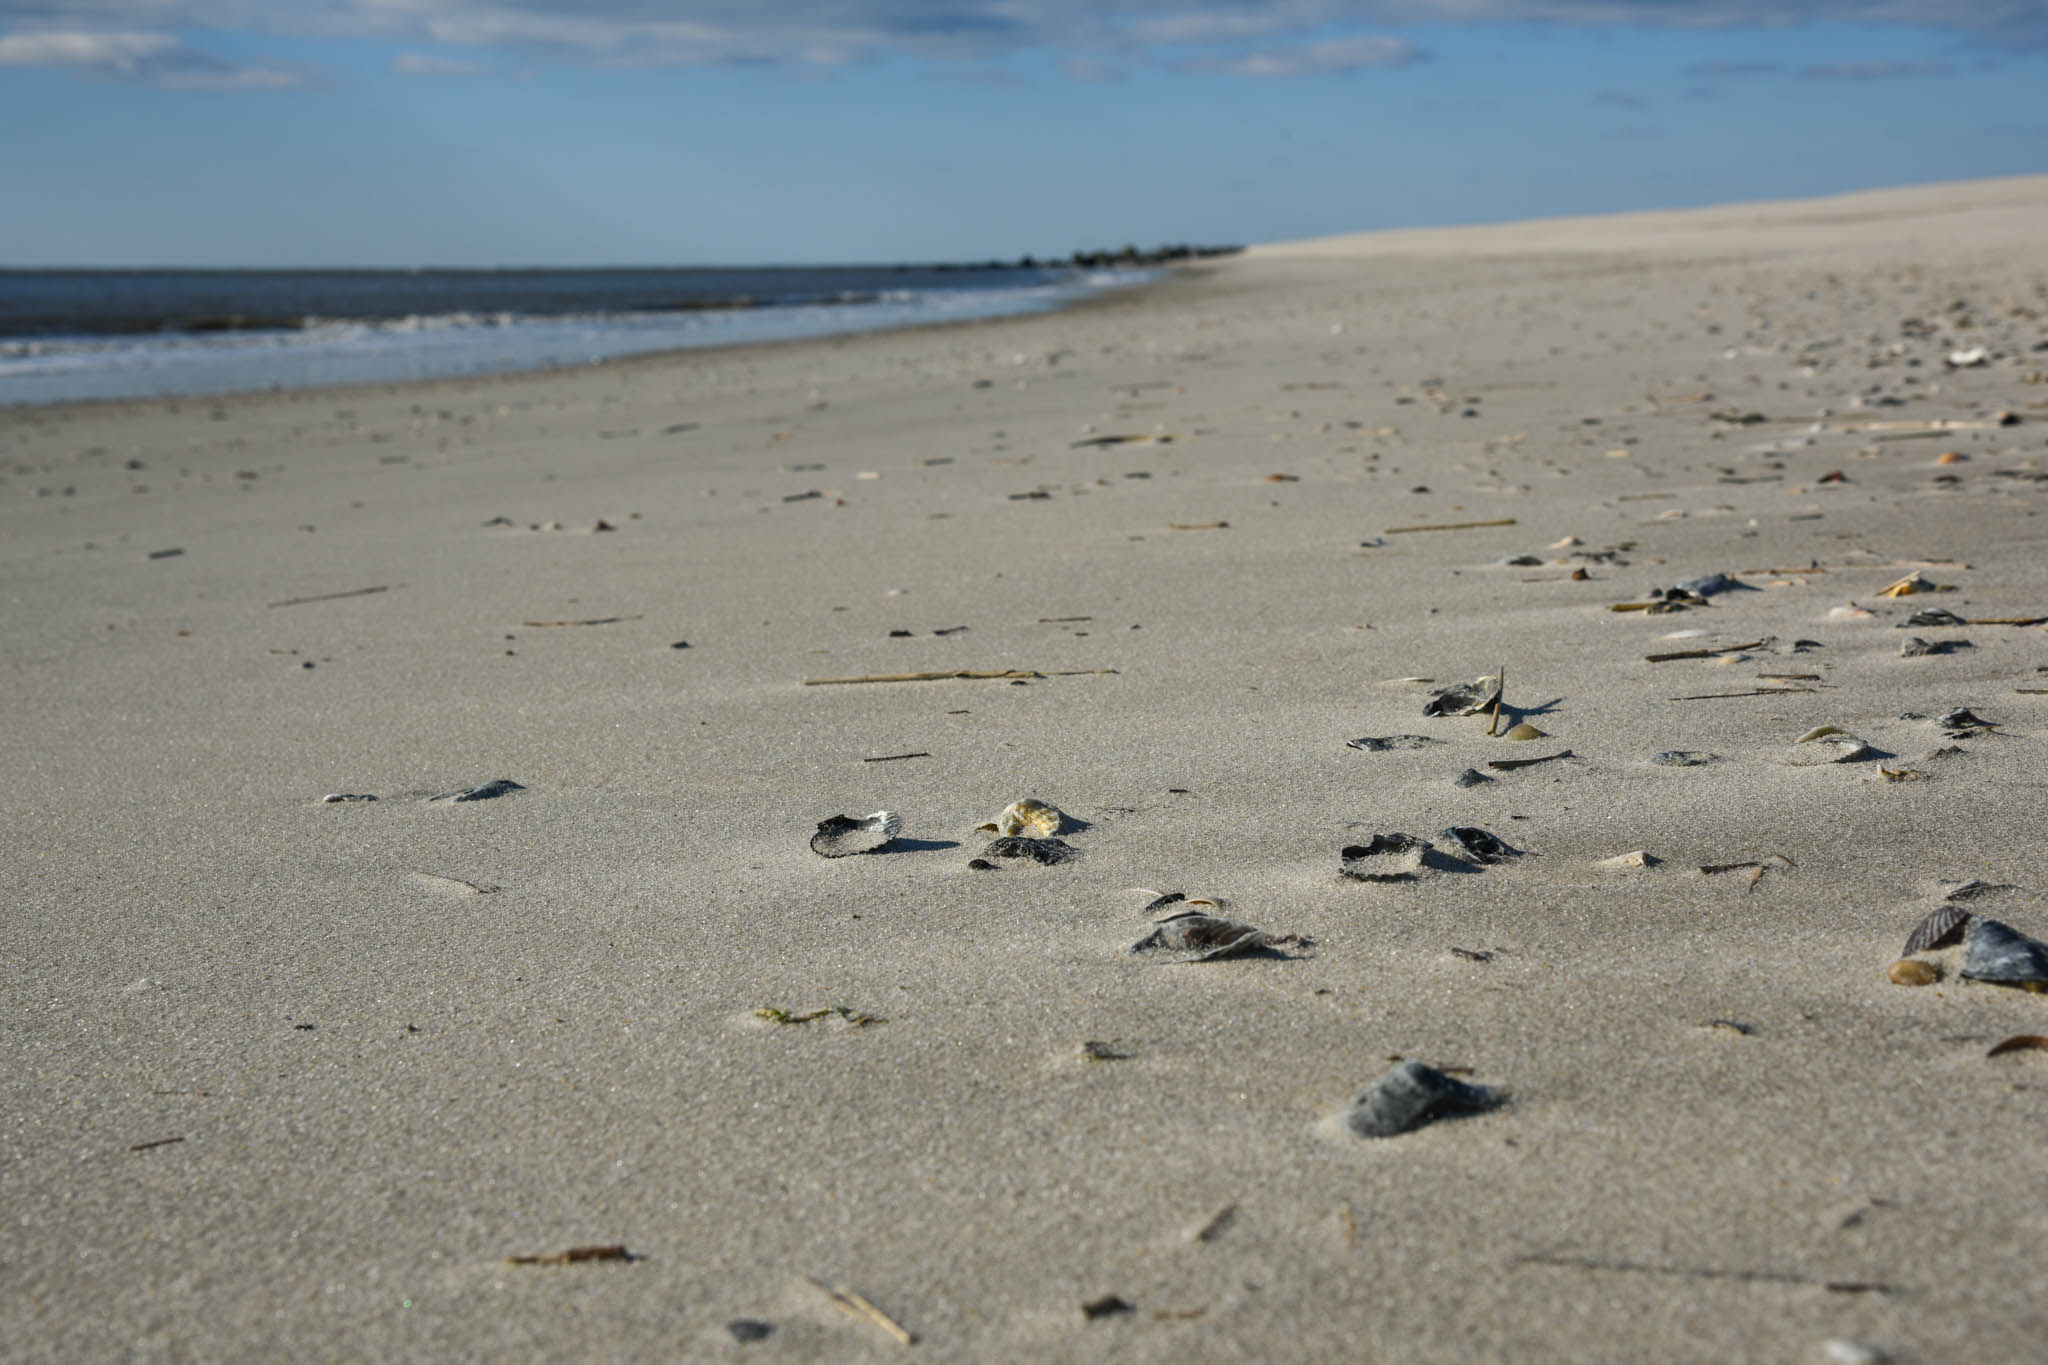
(1912, 972)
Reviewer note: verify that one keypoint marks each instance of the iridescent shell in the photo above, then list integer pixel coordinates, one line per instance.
(843, 835)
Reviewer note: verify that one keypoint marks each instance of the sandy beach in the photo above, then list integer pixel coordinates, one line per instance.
(288, 1078)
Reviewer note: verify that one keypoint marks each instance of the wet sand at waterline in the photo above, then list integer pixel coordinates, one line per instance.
(294, 1078)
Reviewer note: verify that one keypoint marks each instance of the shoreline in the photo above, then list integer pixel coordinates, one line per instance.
(297, 1077)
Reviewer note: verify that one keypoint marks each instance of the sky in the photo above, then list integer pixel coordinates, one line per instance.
(724, 132)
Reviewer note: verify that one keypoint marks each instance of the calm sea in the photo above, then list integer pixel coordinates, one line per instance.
(75, 334)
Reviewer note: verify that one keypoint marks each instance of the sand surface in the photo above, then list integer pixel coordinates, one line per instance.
(292, 1080)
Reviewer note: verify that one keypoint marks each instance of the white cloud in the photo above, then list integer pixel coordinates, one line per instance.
(429, 67)
(1333, 57)
(159, 59)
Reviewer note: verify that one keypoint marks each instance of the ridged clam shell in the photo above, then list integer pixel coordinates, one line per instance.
(1942, 926)
(2000, 953)
(1031, 818)
(1411, 1095)
(843, 835)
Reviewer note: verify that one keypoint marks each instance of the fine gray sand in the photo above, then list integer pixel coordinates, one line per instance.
(286, 1079)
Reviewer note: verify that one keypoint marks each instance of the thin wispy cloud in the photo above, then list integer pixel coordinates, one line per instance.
(158, 59)
(426, 66)
(1338, 56)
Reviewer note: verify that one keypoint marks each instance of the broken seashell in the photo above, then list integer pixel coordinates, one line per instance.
(843, 836)
(1974, 890)
(1380, 744)
(1916, 647)
(1682, 758)
(1526, 731)
(1197, 937)
(1932, 616)
(2003, 955)
(1908, 972)
(1832, 747)
(1471, 777)
(1851, 612)
(1410, 1096)
(1963, 719)
(1029, 817)
(1629, 861)
(1046, 851)
(488, 791)
(1820, 732)
(1940, 927)
(1387, 858)
(333, 797)
(1709, 585)
(1914, 582)
(1465, 699)
(1479, 845)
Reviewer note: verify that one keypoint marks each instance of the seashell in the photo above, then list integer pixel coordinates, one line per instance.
(1917, 648)
(1526, 731)
(1410, 1096)
(1711, 585)
(1933, 616)
(1973, 890)
(1908, 972)
(1387, 858)
(842, 835)
(1196, 937)
(1380, 744)
(1963, 719)
(1480, 846)
(1914, 582)
(1465, 699)
(1851, 612)
(1471, 777)
(1940, 927)
(488, 791)
(1032, 818)
(1627, 861)
(2002, 954)
(1682, 758)
(1045, 851)
(1830, 748)
(1521, 561)
(333, 797)
(1567, 543)
(1819, 732)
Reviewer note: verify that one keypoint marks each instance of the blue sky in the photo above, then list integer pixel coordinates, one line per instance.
(498, 132)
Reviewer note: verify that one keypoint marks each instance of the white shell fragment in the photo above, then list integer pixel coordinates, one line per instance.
(1032, 818)
(1827, 744)
(1637, 858)
(843, 836)
(1410, 1096)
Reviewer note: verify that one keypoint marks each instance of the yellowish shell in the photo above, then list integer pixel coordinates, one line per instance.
(1524, 731)
(1909, 972)
(1030, 818)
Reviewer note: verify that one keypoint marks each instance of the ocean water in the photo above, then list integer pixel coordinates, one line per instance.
(79, 334)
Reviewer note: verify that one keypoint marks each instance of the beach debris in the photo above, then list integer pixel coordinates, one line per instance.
(1827, 744)
(329, 596)
(1464, 699)
(746, 1331)
(842, 836)
(1938, 928)
(152, 1146)
(1508, 765)
(1630, 861)
(1387, 858)
(1139, 438)
(855, 1306)
(1708, 585)
(1962, 722)
(1197, 525)
(853, 1017)
(2019, 1042)
(982, 865)
(1728, 1028)
(485, 791)
(1974, 890)
(1850, 612)
(1526, 731)
(1911, 972)
(1106, 1306)
(1471, 777)
(2001, 954)
(1521, 561)
(1914, 582)
(1670, 655)
(1932, 616)
(575, 1256)
(1478, 845)
(948, 674)
(1683, 758)
(334, 797)
(1448, 526)
(892, 758)
(1197, 937)
(1410, 1096)
(1031, 817)
(1093, 1051)
(1756, 868)
(1380, 744)
(1046, 852)
(1968, 358)
(1916, 647)
(166, 554)
(583, 621)
(1885, 774)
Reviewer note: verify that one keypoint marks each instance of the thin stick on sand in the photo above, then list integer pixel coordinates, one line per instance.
(1448, 526)
(942, 675)
(853, 1305)
(1498, 698)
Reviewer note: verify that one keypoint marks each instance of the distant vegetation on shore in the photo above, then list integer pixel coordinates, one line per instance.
(1128, 255)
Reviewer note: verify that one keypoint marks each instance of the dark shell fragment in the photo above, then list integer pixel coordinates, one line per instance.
(1961, 721)
(1943, 925)
(1386, 858)
(842, 836)
(1197, 937)
(1465, 699)
(1379, 744)
(1916, 648)
(1045, 851)
(1410, 1096)
(1682, 758)
(1932, 616)
(1471, 777)
(2002, 954)
(1479, 845)
(487, 791)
